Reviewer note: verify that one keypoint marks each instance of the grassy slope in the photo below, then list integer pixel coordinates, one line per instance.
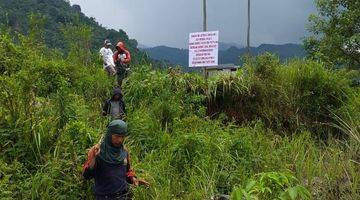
(174, 144)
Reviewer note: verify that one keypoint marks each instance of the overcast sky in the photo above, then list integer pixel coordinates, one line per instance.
(169, 22)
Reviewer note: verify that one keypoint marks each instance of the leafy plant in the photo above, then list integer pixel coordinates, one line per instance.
(272, 185)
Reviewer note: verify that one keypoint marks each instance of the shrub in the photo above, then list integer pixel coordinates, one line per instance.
(272, 185)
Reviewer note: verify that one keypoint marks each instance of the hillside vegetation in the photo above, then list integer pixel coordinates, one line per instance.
(56, 16)
(270, 131)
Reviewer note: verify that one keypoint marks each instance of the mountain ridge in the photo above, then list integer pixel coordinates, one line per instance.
(179, 56)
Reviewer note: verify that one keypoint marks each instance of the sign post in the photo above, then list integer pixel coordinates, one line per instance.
(203, 49)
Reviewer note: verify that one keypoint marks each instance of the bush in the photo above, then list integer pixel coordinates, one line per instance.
(299, 95)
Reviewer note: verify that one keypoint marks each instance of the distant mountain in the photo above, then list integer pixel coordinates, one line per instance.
(223, 46)
(284, 51)
(233, 54)
(169, 55)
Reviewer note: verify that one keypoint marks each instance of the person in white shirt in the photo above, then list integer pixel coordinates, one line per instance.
(107, 57)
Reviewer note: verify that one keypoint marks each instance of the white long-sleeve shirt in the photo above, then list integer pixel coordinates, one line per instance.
(107, 56)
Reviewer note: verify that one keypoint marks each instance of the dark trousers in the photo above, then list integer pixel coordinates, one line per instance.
(121, 73)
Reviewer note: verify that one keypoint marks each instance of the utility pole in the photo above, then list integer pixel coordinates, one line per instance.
(204, 29)
(205, 17)
(248, 31)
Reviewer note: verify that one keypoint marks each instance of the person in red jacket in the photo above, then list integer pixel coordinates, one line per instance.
(122, 59)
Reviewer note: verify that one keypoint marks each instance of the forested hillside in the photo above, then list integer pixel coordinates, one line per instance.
(56, 15)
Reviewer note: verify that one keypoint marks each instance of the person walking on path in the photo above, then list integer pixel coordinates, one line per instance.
(109, 164)
(122, 59)
(107, 58)
(115, 106)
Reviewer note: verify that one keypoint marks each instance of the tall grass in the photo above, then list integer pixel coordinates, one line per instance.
(296, 96)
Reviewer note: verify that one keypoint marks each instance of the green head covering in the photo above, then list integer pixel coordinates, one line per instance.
(109, 153)
(117, 127)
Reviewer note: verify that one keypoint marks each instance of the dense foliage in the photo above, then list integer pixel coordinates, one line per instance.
(336, 29)
(50, 115)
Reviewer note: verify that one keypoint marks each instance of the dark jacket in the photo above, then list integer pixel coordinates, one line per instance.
(109, 179)
(107, 103)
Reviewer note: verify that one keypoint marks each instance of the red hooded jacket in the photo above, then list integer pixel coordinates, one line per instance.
(121, 49)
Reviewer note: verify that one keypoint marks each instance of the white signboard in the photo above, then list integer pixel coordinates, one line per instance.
(203, 49)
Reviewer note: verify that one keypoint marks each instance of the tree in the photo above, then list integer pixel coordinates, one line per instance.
(336, 29)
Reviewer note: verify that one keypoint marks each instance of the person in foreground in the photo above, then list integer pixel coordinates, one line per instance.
(109, 164)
